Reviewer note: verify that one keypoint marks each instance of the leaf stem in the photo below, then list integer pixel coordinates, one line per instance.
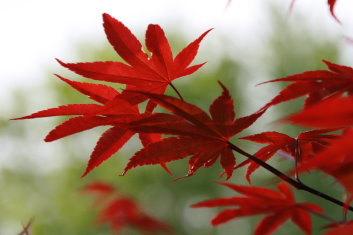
(176, 90)
(297, 159)
(297, 184)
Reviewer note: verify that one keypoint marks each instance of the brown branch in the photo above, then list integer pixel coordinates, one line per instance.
(297, 184)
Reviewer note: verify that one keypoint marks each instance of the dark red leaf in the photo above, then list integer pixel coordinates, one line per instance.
(109, 143)
(143, 73)
(316, 85)
(336, 161)
(71, 109)
(331, 113)
(277, 206)
(98, 92)
(203, 138)
(75, 125)
(302, 148)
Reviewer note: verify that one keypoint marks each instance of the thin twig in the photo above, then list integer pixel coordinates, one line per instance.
(294, 183)
(176, 90)
(25, 230)
(296, 159)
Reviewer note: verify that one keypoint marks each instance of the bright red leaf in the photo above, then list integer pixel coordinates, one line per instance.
(203, 137)
(278, 207)
(332, 4)
(93, 115)
(336, 161)
(305, 146)
(336, 112)
(315, 85)
(151, 74)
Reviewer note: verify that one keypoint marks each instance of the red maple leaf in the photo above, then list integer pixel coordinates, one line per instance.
(122, 211)
(112, 139)
(336, 160)
(305, 146)
(151, 74)
(315, 85)
(336, 112)
(198, 135)
(277, 206)
(332, 4)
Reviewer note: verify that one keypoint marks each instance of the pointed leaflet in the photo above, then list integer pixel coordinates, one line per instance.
(125, 43)
(336, 161)
(151, 75)
(97, 92)
(222, 111)
(158, 45)
(331, 4)
(75, 125)
(306, 145)
(278, 206)
(93, 115)
(110, 142)
(331, 113)
(71, 109)
(317, 85)
(345, 228)
(166, 150)
(271, 223)
(202, 138)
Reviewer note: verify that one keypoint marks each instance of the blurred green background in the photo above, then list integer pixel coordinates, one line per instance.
(42, 180)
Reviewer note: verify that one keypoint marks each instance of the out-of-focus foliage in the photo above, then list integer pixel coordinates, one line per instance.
(50, 191)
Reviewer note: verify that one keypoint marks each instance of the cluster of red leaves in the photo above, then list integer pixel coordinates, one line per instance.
(277, 206)
(336, 161)
(315, 85)
(197, 134)
(203, 137)
(302, 148)
(148, 74)
(120, 211)
(328, 104)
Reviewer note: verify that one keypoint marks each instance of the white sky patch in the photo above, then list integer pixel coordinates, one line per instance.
(34, 32)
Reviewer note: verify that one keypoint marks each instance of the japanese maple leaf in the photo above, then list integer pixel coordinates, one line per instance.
(331, 4)
(336, 112)
(301, 148)
(315, 85)
(198, 135)
(121, 211)
(336, 160)
(278, 207)
(113, 138)
(151, 74)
